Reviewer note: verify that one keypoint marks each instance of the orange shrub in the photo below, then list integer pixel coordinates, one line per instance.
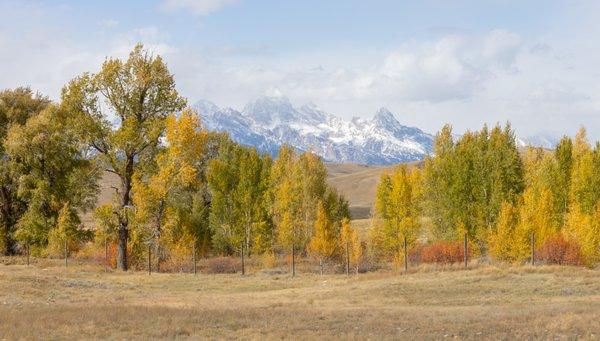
(558, 250)
(443, 251)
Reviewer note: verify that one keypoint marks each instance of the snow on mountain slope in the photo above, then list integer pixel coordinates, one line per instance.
(548, 141)
(269, 122)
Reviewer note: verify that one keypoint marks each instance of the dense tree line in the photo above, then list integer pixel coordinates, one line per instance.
(481, 185)
(182, 187)
(178, 185)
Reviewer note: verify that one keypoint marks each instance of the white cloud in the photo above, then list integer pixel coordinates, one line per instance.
(198, 7)
(466, 78)
(456, 67)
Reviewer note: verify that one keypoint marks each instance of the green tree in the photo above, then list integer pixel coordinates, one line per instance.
(250, 194)
(67, 231)
(16, 107)
(564, 158)
(139, 93)
(438, 185)
(223, 178)
(309, 174)
(466, 181)
(54, 168)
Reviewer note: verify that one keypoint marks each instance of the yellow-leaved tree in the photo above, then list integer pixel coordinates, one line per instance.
(350, 243)
(397, 209)
(164, 200)
(584, 229)
(508, 242)
(537, 214)
(323, 243)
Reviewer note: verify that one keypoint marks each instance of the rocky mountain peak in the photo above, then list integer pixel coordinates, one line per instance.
(269, 122)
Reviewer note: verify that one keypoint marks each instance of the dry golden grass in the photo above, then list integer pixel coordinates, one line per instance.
(46, 301)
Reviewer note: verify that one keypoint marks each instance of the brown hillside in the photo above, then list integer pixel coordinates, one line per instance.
(358, 183)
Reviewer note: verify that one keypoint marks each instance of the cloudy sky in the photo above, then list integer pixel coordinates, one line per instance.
(533, 63)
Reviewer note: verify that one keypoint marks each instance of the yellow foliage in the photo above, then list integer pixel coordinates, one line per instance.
(323, 244)
(398, 209)
(508, 242)
(350, 241)
(585, 230)
(536, 214)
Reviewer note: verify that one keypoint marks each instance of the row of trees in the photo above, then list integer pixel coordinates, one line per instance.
(178, 184)
(481, 185)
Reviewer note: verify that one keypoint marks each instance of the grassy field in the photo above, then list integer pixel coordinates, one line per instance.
(46, 300)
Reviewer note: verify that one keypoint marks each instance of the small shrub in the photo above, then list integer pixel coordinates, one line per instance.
(414, 254)
(222, 265)
(558, 250)
(443, 252)
(269, 260)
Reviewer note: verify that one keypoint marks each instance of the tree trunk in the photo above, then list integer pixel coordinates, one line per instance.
(122, 247)
(123, 217)
(293, 260)
(466, 249)
(347, 259)
(321, 265)
(242, 253)
(405, 255)
(8, 222)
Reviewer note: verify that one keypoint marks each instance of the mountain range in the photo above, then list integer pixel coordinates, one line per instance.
(269, 122)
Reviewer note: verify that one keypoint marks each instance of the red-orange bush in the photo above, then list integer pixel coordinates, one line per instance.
(558, 250)
(442, 251)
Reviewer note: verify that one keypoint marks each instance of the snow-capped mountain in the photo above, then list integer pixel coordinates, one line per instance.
(544, 140)
(269, 122)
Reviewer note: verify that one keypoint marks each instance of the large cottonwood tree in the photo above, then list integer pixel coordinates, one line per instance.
(123, 109)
